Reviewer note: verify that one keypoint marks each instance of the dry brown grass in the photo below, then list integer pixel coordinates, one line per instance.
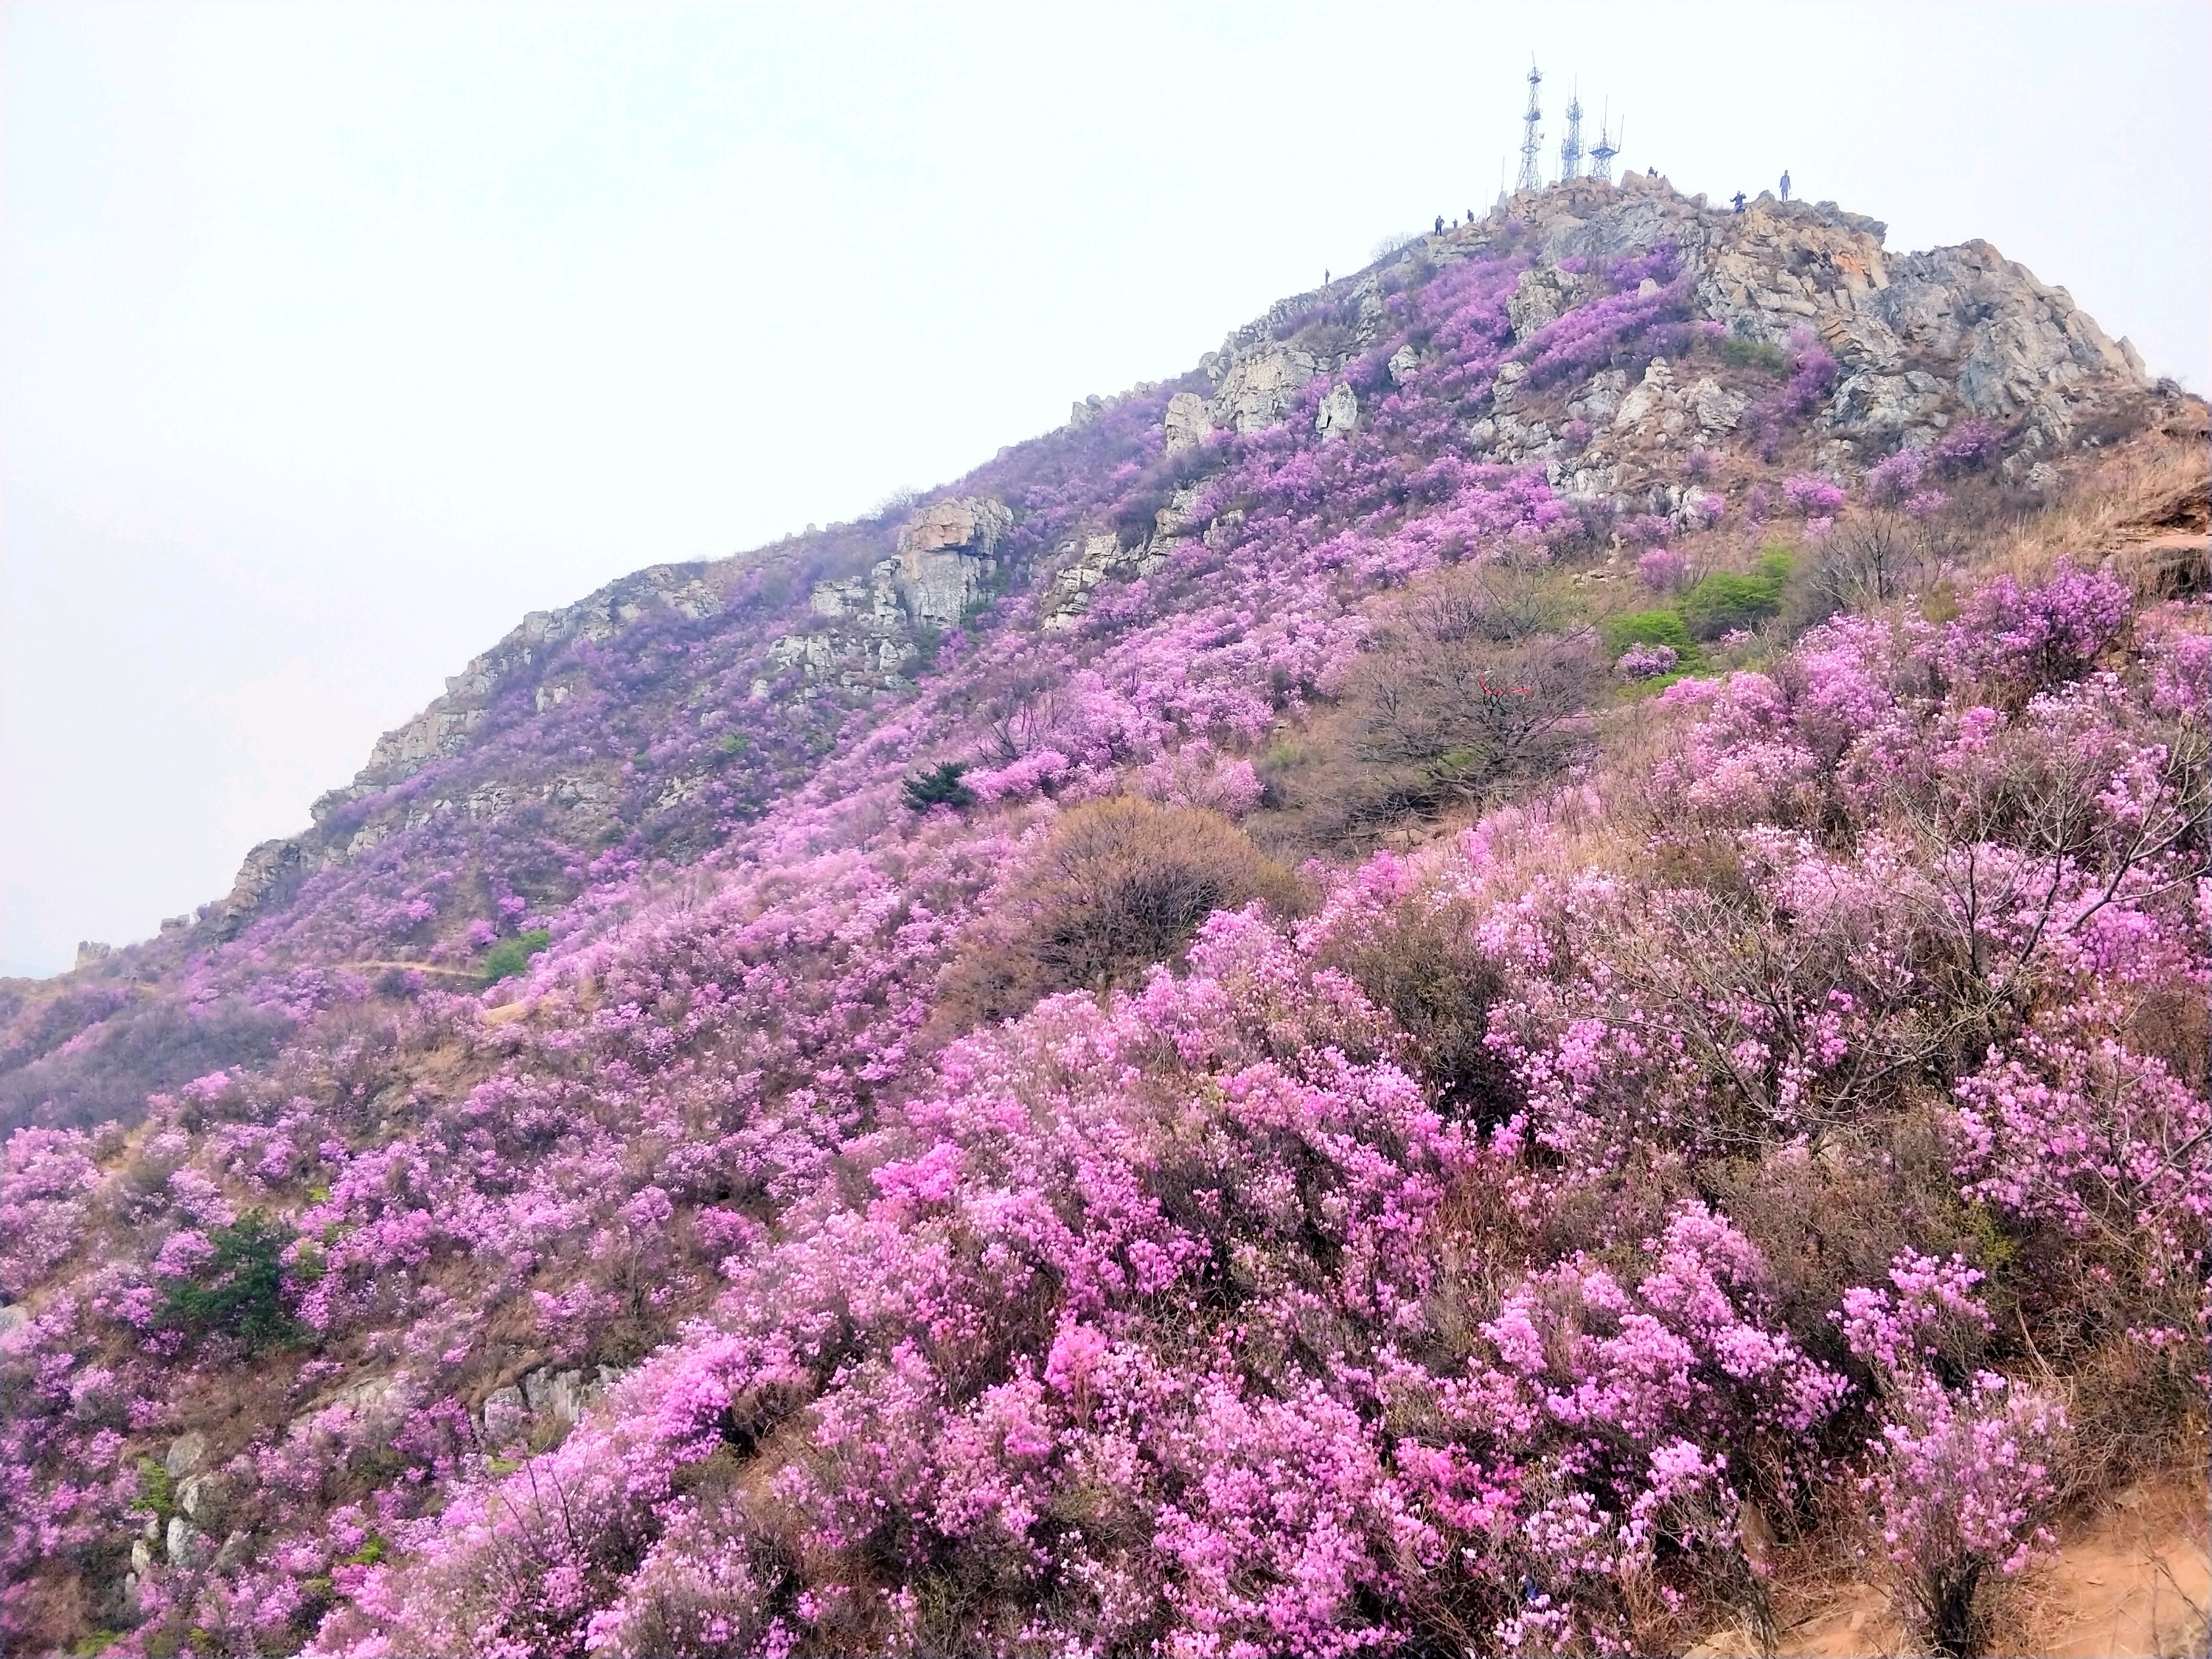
(2146, 507)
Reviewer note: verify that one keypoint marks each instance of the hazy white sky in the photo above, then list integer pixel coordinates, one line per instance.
(333, 338)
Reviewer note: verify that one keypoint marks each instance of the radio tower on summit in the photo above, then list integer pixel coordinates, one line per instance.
(1603, 151)
(1532, 146)
(1570, 147)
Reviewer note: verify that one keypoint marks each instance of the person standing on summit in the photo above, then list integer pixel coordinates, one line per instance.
(1785, 184)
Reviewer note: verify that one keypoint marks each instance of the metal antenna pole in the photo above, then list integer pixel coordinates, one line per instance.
(1570, 147)
(1603, 151)
(1532, 142)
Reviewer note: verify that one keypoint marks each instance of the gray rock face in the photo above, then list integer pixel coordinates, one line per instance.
(90, 952)
(200, 1496)
(1885, 404)
(1546, 293)
(946, 556)
(1188, 425)
(1715, 408)
(1100, 558)
(2023, 350)
(1649, 401)
(1261, 390)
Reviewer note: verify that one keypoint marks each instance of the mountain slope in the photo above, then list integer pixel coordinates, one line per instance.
(1446, 1251)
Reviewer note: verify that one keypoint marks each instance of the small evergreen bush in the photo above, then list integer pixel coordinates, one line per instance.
(1753, 354)
(940, 786)
(1660, 626)
(511, 955)
(239, 1291)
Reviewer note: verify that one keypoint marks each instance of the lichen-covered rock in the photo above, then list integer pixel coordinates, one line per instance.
(1187, 423)
(1261, 389)
(1339, 413)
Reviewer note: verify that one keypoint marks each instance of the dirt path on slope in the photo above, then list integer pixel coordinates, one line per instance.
(2131, 1582)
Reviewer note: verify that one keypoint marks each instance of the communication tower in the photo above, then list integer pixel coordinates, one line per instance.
(1570, 147)
(1603, 151)
(1532, 144)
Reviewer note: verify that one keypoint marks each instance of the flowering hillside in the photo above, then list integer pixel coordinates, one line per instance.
(1519, 951)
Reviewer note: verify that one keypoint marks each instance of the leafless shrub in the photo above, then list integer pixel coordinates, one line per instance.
(1870, 562)
(1119, 885)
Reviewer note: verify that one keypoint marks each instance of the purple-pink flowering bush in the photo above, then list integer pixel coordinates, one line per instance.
(1969, 447)
(1385, 1266)
(1663, 570)
(1891, 482)
(2028, 639)
(1961, 1479)
(1644, 662)
(1811, 495)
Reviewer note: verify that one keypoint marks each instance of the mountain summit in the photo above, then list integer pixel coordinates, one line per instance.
(1533, 946)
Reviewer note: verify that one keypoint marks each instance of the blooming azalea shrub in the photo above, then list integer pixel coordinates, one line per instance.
(945, 1184)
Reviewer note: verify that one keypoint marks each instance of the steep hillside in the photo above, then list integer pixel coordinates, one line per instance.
(969, 1144)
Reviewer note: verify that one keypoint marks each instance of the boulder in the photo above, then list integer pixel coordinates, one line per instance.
(186, 1543)
(1715, 409)
(1651, 397)
(185, 1453)
(1339, 413)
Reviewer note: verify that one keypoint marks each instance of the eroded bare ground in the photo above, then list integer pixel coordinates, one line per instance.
(2131, 1582)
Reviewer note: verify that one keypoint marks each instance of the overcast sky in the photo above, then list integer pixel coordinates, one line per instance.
(333, 338)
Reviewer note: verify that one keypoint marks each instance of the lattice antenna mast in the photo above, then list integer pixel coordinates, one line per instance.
(1532, 144)
(1603, 151)
(1570, 147)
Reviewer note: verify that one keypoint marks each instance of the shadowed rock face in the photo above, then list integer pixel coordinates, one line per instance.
(944, 558)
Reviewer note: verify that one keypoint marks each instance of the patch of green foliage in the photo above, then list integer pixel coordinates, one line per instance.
(938, 787)
(155, 1490)
(239, 1292)
(736, 743)
(1660, 626)
(367, 1555)
(511, 955)
(1724, 601)
(928, 641)
(1753, 354)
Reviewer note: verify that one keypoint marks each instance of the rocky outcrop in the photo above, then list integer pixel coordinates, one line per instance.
(1188, 423)
(444, 728)
(947, 562)
(1261, 389)
(946, 555)
(1098, 558)
(1958, 325)
(2024, 351)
